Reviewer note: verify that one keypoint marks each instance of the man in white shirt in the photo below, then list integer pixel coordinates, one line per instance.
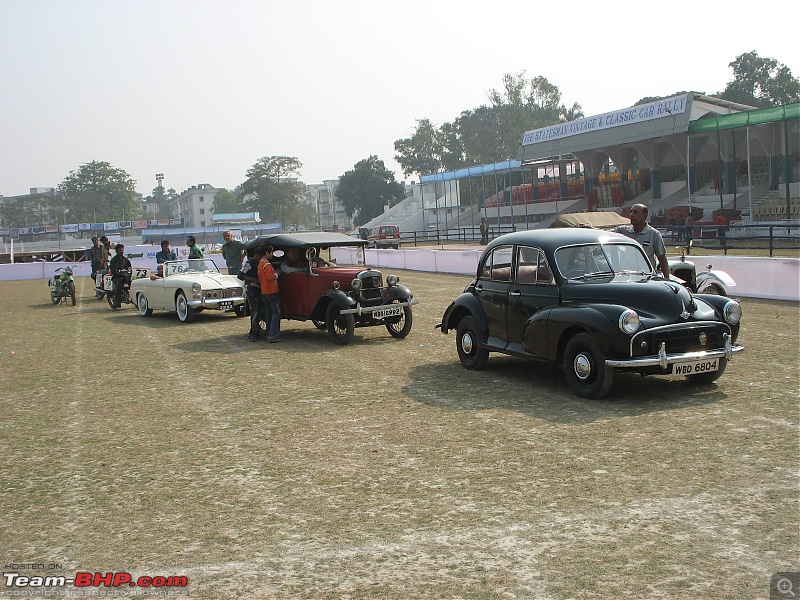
(649, 237)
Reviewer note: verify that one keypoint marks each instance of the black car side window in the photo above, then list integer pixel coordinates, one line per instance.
(497, 265)
(532, 267)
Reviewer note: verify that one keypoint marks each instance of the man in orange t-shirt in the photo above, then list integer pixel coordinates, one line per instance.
(269, 295)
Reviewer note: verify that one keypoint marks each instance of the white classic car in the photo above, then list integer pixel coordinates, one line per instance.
(188, 287)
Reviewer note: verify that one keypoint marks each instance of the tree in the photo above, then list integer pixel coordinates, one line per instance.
(270, 190)
(367, 188)
(97, 192)
(761, 82)
(227, 202)
(34, 209)
(488, 133)
(429, 149)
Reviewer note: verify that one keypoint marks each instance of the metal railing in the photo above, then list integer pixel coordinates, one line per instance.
(737, 236)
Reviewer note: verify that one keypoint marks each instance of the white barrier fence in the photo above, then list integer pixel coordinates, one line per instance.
(771, 278)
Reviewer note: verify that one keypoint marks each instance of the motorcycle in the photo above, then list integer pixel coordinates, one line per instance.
(100, 289)
(62, 285)
(125, 296)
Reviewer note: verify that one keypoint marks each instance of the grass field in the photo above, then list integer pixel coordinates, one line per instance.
(383, 469)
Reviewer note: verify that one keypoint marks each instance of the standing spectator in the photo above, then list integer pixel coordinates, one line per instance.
(196, 261)
(233, 252)
(689, 230)
(681, 228)
(249, 274)
(105, 252)
(484, 231)
(165, 253)
(120, 273)
(95, 255)
(194, 250)
(269, 296)
(648, 237)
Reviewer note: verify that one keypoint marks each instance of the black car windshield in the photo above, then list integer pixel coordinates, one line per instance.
(601, 259)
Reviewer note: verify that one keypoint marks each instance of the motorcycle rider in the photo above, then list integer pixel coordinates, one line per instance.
(121, 268)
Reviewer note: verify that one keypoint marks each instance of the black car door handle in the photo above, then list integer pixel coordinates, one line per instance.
(515, 294)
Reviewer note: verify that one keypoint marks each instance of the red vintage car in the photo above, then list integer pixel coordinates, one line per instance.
(337, 299)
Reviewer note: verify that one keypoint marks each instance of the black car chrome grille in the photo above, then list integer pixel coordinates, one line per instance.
(689, 338)
(371, 282)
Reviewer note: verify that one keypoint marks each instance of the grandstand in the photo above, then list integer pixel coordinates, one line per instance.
(743, 164)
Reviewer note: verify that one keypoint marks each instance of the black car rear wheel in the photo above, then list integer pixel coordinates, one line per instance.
(340, 327)
(468, 338)
(585, 368)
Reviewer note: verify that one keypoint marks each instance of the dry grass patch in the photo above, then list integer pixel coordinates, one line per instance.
(383, 469)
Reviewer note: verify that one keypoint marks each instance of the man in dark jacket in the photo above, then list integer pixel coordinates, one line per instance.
(121, 270)
(249, 274)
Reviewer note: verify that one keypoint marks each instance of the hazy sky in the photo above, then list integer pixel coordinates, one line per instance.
(199, 90)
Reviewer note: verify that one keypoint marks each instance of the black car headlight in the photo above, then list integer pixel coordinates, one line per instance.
(732, 312)
(629, 322)
(391, 280)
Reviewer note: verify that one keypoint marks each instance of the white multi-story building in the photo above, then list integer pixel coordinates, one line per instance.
(330, 213)
(195, 205)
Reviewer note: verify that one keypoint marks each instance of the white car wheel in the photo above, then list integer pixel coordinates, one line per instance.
(144, 307)
(185, 312)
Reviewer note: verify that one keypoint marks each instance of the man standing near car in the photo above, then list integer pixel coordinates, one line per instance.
(249, 274)
(649, 237)
(120, 267)
(270, 299)
(96, 256)
(232, 252)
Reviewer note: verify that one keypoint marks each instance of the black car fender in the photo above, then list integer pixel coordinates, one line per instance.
(718, 304)
(336, 296)
(397, 292)
(601, 321)
(464, 305)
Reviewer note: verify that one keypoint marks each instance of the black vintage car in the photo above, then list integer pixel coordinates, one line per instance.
(589, 300)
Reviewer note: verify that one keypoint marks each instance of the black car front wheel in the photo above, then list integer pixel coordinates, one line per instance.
(470, 353)
(400, 326)
(340, 327)
(585, 368)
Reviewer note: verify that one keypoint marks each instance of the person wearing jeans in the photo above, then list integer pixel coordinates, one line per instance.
(270, 299)
(249, 274)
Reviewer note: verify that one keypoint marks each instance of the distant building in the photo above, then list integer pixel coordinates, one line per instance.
(330, 213)
(195, 205)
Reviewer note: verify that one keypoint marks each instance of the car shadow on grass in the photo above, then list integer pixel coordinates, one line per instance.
(293, 341)
(541, 391)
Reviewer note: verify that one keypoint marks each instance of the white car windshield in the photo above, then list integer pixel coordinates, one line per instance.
(195, 265)
(601, 259)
